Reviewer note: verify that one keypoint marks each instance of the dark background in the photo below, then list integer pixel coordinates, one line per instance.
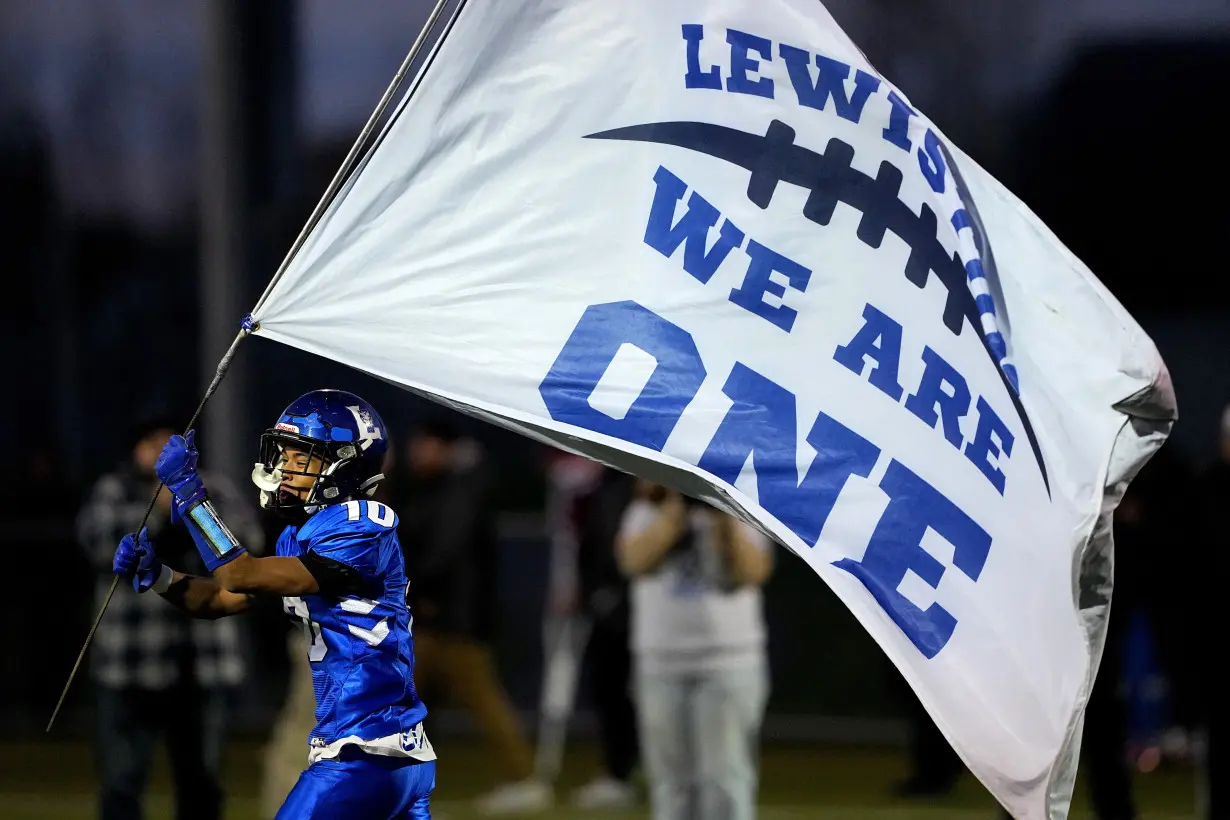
(1106, 122)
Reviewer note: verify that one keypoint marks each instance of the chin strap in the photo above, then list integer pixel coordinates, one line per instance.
(368, 488)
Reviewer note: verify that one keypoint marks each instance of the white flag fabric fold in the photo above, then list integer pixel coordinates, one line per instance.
(707, 243)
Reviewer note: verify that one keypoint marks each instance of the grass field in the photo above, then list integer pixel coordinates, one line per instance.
(54, 781)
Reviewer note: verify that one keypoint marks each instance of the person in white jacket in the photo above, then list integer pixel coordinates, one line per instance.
(698, 639)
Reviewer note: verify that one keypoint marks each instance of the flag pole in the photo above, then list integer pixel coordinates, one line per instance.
(246, 328)
(348, 163)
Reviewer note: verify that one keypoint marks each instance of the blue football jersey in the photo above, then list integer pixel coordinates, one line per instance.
(361, 648)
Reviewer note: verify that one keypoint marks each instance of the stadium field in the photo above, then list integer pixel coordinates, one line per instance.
(55, 781)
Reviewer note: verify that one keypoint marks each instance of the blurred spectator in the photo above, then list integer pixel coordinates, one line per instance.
(698, 634)
(447, 531)
(586, 582)
(150, 661)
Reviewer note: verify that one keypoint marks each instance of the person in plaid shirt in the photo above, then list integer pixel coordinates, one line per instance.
(151, 661)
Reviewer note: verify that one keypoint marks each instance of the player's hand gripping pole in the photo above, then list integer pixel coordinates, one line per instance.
(247, 327)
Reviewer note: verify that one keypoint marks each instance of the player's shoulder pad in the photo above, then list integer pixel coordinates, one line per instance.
(350, 518)
(285, 539)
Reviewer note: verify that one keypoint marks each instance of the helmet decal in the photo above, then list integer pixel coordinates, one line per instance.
(368, 432)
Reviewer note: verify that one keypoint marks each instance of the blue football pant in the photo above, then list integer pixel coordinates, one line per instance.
(371, 787)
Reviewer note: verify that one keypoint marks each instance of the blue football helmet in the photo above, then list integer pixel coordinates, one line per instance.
(339, 427)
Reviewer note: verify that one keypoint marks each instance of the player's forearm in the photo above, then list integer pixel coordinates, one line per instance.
(231, 565)
(204, 598)
(269, 576)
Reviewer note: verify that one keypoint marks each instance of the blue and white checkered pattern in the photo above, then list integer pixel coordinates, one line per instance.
(971, 246)
(142, 639)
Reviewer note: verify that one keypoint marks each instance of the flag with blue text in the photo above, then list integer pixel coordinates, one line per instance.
(704, 241)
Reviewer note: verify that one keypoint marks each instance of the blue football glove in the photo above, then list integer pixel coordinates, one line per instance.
(177, 468)
(135, 559)
(189, 502)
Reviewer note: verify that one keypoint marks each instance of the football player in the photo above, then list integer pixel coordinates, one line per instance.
(340, 571)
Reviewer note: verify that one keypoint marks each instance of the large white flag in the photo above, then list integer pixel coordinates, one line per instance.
(705, 242)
